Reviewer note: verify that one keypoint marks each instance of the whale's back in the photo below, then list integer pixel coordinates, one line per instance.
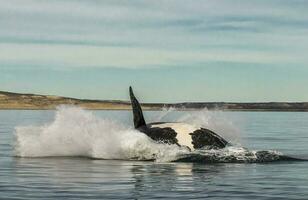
(183, 131)
(175, 133)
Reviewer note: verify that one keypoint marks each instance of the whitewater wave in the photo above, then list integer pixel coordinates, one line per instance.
(77, 132)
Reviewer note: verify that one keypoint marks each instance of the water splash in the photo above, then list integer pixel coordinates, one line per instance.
(214, 120)
(77, 132)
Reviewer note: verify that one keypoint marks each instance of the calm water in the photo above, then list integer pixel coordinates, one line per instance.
(74, 177)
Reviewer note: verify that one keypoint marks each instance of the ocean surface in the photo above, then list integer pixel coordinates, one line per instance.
(76, 154)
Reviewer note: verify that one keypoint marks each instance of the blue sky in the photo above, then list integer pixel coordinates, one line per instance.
(169, 51)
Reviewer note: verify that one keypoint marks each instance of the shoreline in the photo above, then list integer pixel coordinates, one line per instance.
(16, 101)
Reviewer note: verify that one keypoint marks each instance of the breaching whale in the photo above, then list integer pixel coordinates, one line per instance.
(181, 134)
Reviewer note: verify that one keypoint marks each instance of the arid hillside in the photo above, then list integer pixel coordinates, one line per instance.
(9, 100)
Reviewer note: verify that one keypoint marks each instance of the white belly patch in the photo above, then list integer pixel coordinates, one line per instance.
(183, 130)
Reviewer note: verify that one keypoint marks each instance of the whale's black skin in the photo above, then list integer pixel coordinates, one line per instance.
(206, 138)
(165, 135)
(161, 131)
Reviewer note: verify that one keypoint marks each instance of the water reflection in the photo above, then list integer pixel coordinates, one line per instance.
(79, 177)
(173, 179)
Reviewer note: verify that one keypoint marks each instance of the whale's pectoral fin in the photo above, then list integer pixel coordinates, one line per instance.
(137, 111)
(205, 138)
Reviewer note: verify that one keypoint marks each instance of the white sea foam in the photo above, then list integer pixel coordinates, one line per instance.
(77, 132)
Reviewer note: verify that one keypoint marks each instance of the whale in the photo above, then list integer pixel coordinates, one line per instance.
(181, 134)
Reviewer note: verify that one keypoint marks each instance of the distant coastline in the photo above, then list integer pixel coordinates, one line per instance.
(15, 101)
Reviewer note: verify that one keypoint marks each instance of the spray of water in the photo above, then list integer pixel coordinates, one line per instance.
(213, 120)
(77, 132)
